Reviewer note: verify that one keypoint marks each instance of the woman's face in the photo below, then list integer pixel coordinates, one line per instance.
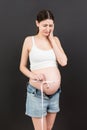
(45, 26)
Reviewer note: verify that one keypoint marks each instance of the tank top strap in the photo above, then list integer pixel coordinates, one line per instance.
(33, 41)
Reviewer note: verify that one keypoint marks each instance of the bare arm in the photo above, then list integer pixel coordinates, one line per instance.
(24, 59)
(58, 50)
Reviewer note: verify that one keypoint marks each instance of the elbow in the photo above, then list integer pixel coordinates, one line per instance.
(63, 62)
(20, 68)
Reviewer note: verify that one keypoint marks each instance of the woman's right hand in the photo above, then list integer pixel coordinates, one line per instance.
(37, 77)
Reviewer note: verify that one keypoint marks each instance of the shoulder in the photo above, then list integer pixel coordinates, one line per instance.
(28, 42)
(57, 39)
(27, 39)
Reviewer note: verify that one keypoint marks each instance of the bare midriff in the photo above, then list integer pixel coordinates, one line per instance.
(53, 77)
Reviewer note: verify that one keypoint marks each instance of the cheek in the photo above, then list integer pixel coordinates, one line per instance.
(42, 29)
(53, 28)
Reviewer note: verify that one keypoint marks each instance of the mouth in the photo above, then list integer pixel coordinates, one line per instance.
(47, 32)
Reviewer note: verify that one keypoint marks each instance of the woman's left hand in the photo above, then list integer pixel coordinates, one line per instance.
(50, 36)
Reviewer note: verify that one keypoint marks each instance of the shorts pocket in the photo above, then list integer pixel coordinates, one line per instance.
(31, 89)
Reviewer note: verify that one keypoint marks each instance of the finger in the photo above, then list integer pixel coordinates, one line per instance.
(36, 77)
(41, 77)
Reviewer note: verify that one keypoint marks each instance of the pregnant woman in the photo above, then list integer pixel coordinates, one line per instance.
(44, 52)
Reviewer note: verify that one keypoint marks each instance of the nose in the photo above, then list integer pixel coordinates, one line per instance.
(48, 28)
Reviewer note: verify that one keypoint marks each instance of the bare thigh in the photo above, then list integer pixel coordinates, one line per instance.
(37, 122)
(48, 122)
(50, 119)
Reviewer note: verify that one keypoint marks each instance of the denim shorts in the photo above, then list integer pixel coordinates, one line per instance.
(34, 102)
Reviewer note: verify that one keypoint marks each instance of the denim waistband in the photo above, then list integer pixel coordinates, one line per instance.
(33, 90)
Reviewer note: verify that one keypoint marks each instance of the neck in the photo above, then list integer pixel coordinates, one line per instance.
(41, 36)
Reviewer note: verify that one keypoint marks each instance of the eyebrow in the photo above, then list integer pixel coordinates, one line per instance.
(47, 24)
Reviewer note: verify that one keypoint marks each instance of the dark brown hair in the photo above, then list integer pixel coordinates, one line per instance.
(44, 14)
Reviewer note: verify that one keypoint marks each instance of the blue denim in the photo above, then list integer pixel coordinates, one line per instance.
(34, 102)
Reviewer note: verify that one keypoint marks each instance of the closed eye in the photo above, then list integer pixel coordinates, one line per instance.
(45, 25)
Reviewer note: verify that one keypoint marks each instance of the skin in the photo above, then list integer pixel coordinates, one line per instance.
(46, 28)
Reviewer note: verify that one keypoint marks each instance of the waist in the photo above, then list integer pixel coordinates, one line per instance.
(32, 89)
(44, 64)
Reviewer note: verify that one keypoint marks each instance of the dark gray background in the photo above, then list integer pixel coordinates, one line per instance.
(17, 20)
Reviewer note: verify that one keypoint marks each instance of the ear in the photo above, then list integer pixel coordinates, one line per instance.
(37, 23)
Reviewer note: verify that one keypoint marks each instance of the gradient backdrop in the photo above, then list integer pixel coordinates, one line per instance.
(17, 20)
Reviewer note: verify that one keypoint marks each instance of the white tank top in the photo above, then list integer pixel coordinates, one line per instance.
(41, 58)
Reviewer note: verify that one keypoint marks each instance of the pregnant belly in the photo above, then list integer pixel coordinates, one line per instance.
(52, 83)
